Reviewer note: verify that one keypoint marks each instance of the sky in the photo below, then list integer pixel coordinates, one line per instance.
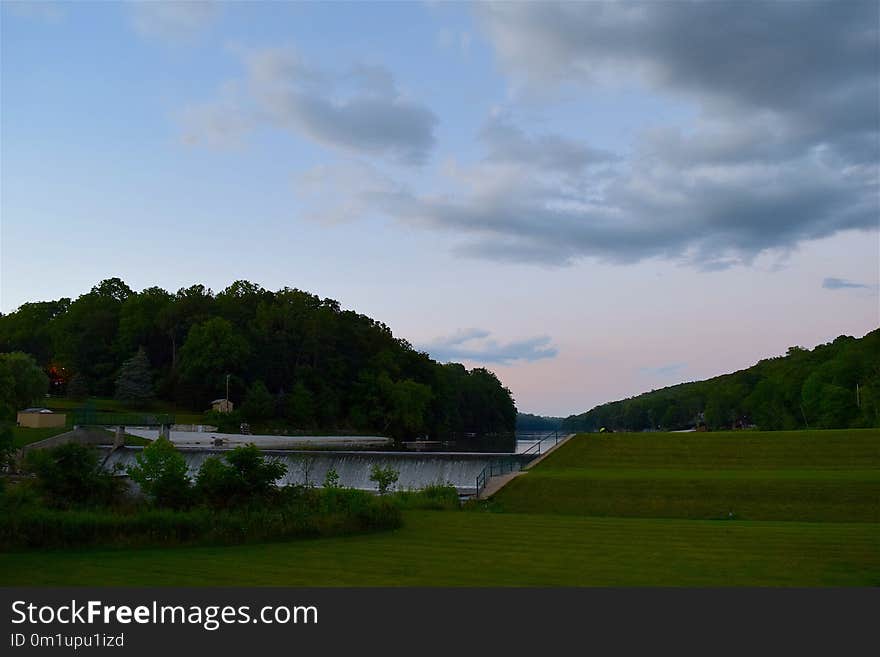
(591, 199)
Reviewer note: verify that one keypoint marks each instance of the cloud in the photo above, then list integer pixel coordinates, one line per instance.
(179, 20)
(360, 111)
(664, 371)
(786, 146)
(842, 284)
(220, 123)
(476, 345)
(506, 142)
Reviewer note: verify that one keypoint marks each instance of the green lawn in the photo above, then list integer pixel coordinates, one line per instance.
(615, 510)
(456, 548)
(831, 476)
(104, 405)
(22, 436)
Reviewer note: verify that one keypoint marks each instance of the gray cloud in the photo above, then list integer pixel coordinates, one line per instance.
(476, 345)
(786, 147)
(506, 142)
(360, 111)
(842, 284)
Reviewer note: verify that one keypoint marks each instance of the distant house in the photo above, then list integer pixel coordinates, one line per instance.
(40, 418)
(222, 405)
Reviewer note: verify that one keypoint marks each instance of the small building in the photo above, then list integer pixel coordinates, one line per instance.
(40, 418)
(221, 406)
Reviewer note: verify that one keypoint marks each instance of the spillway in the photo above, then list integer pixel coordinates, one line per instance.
(416, 470)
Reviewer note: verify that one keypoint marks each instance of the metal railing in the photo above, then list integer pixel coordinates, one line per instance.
(535, 450)
(495, 468)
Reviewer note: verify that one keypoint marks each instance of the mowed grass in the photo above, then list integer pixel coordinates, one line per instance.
(105, 405)
(456, 548)
(617, 510)
(828, 476)
(22, 436)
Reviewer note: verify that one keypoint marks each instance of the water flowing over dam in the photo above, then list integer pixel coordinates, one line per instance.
(416, 470)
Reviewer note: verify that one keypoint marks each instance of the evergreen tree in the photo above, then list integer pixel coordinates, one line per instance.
(135, 381)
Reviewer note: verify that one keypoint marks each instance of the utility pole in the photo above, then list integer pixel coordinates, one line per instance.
(858, 400)
(227, 392)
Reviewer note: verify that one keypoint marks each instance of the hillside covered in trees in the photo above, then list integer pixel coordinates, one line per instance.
(294, 359)
(835, 385)
(530, 423)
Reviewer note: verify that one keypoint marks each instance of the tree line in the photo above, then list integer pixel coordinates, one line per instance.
(292, 359)
(835, 385)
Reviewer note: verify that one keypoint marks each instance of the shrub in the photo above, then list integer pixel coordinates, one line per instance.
(161, 472)
(7, 446)
(331, 479)
(385, 478)
(70, 475)
(244, 477)
(305, 513)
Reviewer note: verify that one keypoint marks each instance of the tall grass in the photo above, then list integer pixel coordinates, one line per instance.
(303, 513)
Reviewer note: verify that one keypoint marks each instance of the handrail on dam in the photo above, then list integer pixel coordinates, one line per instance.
(515, 464)
(495, 468)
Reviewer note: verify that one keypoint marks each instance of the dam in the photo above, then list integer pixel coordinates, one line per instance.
(310, 467)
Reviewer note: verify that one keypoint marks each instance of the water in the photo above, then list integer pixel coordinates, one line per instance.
(416, 470)
(526, 440)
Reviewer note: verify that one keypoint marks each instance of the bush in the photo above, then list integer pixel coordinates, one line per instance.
(161, 473)
(70, 475)
(7, 446)
(244, 478)
(385, 478)
(331, 479)
(304, 513)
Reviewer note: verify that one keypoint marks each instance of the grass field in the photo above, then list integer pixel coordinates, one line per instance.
(459, 548)
(823, 476)
(617, 510)
(22, 436)
(103, 405)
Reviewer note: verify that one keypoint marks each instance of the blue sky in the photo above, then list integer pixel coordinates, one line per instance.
(592, 200)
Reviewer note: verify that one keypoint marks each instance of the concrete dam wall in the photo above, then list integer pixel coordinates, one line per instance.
(415, 470)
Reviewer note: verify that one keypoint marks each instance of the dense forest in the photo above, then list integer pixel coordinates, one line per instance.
(529, 423)
(293, 359)
(835, 385)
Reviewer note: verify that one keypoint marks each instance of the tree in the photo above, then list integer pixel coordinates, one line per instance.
(21, 383)
(78, 387)
(299, 406)
(161, 472)
(135, 380)
(212, 350)
(71, 475)
(258, 403)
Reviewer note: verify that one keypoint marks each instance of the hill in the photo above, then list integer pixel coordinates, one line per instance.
(835, 385)
(527, 422)
(289, 358)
